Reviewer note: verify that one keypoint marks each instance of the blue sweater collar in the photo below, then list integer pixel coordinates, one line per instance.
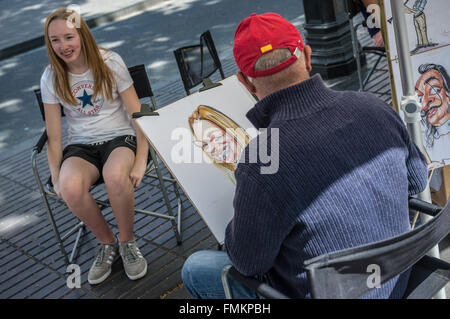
(296, 101)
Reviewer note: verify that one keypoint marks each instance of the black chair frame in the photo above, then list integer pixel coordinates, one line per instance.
(143, 90)
(206, 46)
(343, 274)
(360, 51)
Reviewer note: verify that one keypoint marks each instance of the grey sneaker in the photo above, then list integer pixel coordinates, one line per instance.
(101, 268)
(134, 263)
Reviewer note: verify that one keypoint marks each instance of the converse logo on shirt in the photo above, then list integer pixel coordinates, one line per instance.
(84, 93)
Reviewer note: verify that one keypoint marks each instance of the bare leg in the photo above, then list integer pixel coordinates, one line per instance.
(76, 177)
(116, 173)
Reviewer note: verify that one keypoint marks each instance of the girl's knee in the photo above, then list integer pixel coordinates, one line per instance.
(72, 190)
(117, 181)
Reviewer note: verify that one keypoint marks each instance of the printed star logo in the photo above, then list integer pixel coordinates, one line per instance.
(86, 99)
(83, 91)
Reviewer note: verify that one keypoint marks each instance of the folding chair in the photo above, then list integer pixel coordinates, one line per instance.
(344, 274)
(359, 51)
(143, 90)
(197, 63)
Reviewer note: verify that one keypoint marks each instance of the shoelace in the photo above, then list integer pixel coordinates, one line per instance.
(131, 254)
(101, 255)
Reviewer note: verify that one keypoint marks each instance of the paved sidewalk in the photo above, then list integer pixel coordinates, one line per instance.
(22, 21)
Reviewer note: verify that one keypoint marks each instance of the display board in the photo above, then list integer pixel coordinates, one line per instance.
(428, 29)
(200, 139)
(429, 43)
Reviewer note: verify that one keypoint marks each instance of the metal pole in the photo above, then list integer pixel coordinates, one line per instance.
(410, 103)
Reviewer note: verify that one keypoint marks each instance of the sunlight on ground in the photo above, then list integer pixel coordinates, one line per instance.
(31, 88)
(13, 222)
(161, 39)
(111, 45)
(33, 7)
(173, 6)
(4, 135)
(111, 28)
(6, 66)
(157, 64)
(212, 2)
(11, 106)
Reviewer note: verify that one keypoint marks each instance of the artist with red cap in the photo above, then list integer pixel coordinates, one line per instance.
(346, 167)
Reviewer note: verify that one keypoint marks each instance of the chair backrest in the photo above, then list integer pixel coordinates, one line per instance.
(344, 274)
(141, 81)
(141, 85)
(198, 62)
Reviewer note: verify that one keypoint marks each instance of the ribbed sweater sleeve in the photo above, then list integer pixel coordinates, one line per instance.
(257, 230)
(415, 161)
(417, 171)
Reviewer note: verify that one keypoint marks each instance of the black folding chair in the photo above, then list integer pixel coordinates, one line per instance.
(343, 274)
(143, 90)
(197, 63)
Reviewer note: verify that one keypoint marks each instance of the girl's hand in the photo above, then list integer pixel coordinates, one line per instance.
(56, 189)
(137, 173)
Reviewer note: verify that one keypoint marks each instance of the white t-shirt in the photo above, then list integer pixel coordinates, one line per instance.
(92, 121)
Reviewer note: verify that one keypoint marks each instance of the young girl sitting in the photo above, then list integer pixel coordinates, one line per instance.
(97, 94)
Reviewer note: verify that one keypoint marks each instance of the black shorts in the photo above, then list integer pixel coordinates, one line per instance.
(98, 153)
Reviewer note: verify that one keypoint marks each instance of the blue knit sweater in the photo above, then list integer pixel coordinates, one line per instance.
(346, 168)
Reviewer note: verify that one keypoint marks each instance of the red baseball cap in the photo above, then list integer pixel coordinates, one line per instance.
(259, 34)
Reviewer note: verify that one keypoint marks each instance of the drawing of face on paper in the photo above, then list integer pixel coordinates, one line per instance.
(221, 139)
(432, 88)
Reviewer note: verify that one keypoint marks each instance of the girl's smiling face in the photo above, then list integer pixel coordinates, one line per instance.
(65, 41)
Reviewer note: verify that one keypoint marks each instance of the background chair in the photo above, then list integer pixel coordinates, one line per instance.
(143, 90)
(197, 63)
(359, 51)
(344, 274)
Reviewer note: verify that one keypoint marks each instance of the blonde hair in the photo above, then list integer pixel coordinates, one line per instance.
(103, 76)
(203, 112)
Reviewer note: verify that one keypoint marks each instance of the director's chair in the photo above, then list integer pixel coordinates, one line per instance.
(343, 274)
(143, 90)
(197, 63)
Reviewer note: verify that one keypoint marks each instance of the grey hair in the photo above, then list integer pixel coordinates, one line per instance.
(272, 59)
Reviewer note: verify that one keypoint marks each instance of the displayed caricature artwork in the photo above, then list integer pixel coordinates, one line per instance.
(200, 138)
(429, 40)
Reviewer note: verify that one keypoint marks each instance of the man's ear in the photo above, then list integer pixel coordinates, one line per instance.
(244, 80)
(307, 50)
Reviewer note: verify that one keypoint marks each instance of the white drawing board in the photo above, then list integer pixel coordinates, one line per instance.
(208, 188)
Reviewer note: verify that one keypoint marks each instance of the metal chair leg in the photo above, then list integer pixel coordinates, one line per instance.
(226, 286)
(166, 197)
(48, 208)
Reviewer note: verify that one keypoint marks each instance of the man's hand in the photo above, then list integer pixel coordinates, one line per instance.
(378, 39)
